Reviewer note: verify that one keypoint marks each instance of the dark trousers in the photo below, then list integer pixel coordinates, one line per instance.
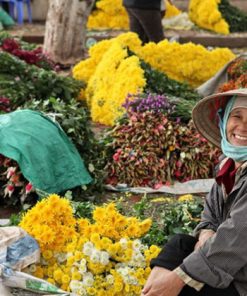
(147, 24)
(172, 255)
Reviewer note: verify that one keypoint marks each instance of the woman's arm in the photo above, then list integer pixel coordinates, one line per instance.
(224, 254)
(210, 218)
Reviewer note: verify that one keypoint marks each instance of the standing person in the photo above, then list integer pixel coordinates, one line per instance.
(213, 262)
(145, 18)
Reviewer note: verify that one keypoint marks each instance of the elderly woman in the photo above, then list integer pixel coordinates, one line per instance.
(214, 260)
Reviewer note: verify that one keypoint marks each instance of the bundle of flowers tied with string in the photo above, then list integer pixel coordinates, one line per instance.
(104, 256)
(150, 146)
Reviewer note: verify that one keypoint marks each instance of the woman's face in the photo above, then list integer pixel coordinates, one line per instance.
(236, 128)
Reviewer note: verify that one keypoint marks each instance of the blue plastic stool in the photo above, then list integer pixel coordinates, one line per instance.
(18, 6)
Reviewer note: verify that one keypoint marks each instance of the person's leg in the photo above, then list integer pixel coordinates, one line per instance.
(135, 25)
(209, 291)
(151, 22)
(172, 255)
(175, 250)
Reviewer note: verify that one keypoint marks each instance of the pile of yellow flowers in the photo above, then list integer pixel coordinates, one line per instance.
(104, 257)
(207, 15)
(111, 74)
(189, 62)
(110, 14)
(50, 222)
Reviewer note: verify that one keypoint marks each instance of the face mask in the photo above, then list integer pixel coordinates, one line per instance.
(237, 153)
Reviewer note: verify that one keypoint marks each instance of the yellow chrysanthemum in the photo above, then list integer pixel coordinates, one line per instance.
(90, 264)
(115, 74)
(186, 197)
(206, 15)
(54, 224)
(110, 14)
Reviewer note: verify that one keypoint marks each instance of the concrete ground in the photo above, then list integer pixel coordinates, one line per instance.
(34, 33)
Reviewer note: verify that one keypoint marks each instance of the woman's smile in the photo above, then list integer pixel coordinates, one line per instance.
(236, 128)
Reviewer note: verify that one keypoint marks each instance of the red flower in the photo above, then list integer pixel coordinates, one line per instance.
(28, 188)
(9, 190)
(10, 44)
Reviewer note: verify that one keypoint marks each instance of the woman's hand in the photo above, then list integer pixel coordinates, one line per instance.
(203, 237)
(162, 282)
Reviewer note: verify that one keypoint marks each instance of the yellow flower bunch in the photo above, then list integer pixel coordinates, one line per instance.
(186, 197)
(115, 76)
(110, 14)
(171, 10)
(207, 15)
(111, 74)
(187, 62)
(86, 68)
(50, 222)
(103, 258)
(114, 225)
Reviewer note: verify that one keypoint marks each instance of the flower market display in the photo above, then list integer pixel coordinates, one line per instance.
(149, 148)
(237, 75)
(118, 67)
(30, 56)
(100, 257)
(215, 15)
(31, 82)
(218, 16)
(110, 14)
(27, 81)
(13, 182)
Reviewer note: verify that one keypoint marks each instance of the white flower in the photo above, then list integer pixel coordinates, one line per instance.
(104, 258)
(95, 256)
(69, 254)
(61, 257)
(32, 268)
(123, 271)
(82, 292)
(137, 260)
(138, 257)
(110, 279)
(182, 155)
(83, 266)
(127, 278)
(136, 244)
(75, 286)
(123, 243)
(131, 280)
(88, 279)
(88, 248)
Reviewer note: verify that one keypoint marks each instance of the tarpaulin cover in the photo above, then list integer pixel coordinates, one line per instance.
(5, 19)
(46, 156)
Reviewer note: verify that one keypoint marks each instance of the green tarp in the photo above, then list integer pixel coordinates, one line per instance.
(5, 19)
(46, 156)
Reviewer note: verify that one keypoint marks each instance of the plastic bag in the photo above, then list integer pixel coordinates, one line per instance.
(17, 251)
(17, 279)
